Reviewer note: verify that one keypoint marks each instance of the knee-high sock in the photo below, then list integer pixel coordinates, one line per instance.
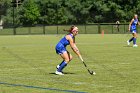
(62, 66)
(61, 63)
(131, 39)
(134, 41)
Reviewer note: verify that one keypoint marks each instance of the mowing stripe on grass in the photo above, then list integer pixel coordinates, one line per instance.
(42, 88)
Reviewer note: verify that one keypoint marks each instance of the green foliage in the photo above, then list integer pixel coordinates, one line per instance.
(30, 13)
(8, 20)
(4, 4)
(6, 12)
(71, 11)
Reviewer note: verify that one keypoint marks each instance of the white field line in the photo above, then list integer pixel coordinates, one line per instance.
(26, 45)
(124, 63)
(102, 43)
(35, 45)
(18, 69)
(42, 80)
(103, 86)
(56, 81)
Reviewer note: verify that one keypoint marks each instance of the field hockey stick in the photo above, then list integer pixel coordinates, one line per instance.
(90, 72)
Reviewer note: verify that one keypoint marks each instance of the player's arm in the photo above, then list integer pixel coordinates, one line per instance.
(73, 45)
(79, 55)
(139, 23)
(130, 24)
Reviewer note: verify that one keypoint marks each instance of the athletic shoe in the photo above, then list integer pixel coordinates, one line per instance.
(128, 43)
(58, 73)
(135, 45)
(57, 66)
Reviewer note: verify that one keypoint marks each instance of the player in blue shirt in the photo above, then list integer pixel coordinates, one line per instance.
(60, 48)
(133, 29)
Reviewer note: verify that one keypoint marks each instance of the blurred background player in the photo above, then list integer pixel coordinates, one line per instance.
(133, 29)
(69, 39)
(118, 25)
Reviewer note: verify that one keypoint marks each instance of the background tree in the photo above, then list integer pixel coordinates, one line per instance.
(50, 12)
(29, 14)
(5, 14)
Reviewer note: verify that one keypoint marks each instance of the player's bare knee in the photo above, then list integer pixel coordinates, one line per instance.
(70, 58)
(67, 60)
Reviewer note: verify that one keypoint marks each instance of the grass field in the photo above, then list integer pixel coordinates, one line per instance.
(27, 65)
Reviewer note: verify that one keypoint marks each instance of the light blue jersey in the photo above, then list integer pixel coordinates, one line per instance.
(133, 28)
(61, 46)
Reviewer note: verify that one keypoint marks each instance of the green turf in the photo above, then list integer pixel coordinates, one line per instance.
(27, 65)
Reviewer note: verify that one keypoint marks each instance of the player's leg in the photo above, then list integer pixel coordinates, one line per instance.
(70, 58)
(134, 40)
(66, 59)
(131, 39)
(128, 42)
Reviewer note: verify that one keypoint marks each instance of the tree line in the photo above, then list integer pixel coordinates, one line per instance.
(31, 12)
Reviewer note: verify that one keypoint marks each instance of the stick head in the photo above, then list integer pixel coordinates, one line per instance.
(91, 72)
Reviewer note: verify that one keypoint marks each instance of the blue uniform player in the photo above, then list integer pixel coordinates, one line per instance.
(60, 48)
(133, 30)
